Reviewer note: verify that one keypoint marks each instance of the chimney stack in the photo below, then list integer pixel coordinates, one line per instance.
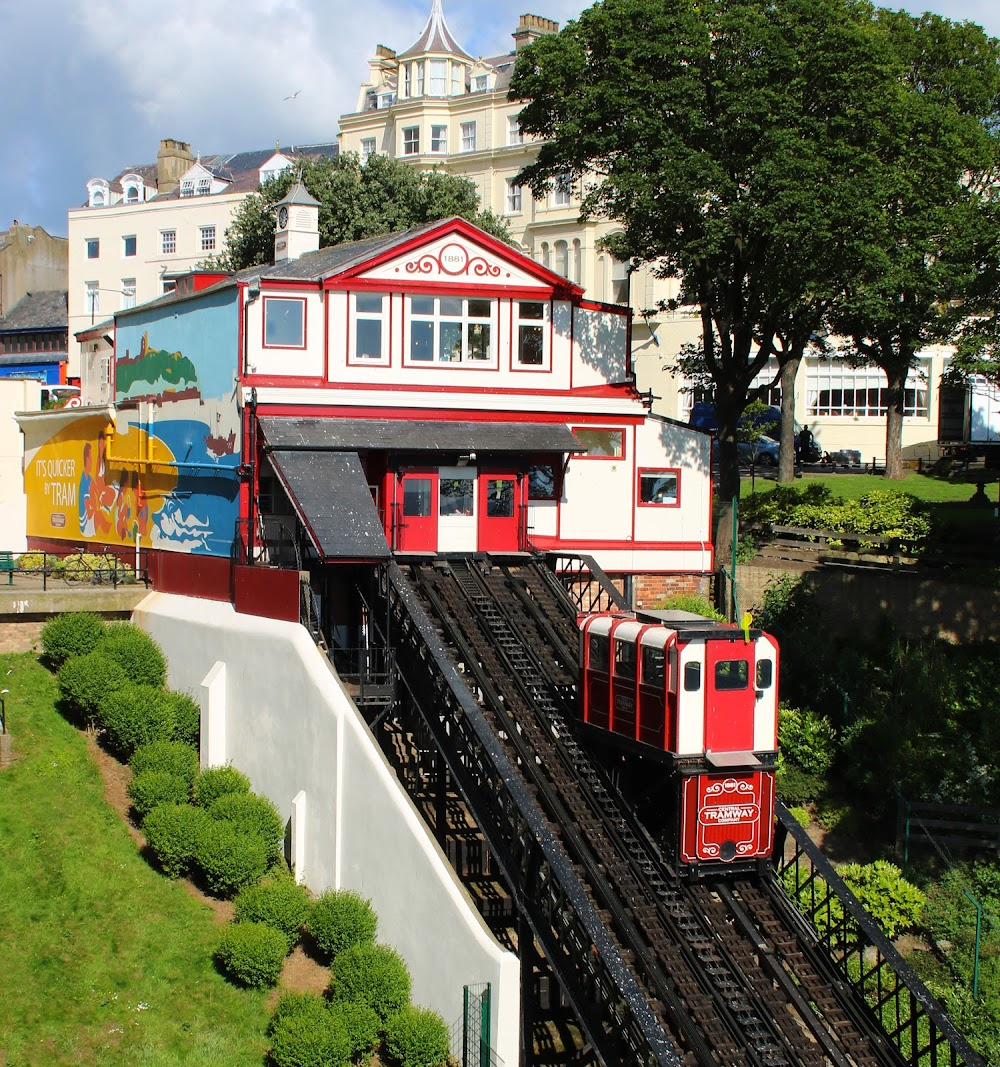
(172, 161)
(530, 28)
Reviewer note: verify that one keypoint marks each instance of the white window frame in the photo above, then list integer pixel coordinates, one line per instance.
(128, 293)
(168, 242)
(515, 135)
(187, 187)
(439, 139)
(480, 83)
(93, 248)
(92, 297)
(126, 254)
(438, 317)
(411, 140)
(204, 187)
(367, 148)
(468, 130)
(513, 197)
(361, 311)
(207, 238)
(522, 321)
(861, 392)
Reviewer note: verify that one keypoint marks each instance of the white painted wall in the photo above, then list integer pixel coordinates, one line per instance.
(16, 394)
(290, 726)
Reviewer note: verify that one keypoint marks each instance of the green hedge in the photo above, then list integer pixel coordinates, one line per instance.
(135, 715)
(172, 833)
(214, 782)
(361, 1025)
(73, 634)
(417, 1037)
(303, 1035)
(173, 756)
(85, 681)
(229, 859)
(187, 717)
(137, 653)
(277, 902)
(340, 919)
(152, 788)
(375, 975)
(252, 954)
(252, 814)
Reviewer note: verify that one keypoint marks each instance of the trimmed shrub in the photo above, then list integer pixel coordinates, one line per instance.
(340, 919)
(251, 954)
(173, 756)
(305, 1037)
(73, 634)
(152, 788)
(187, 717)
(362, 1026)
(291, 1004)
(229, 859)
(371, 974)
(135, 715)
(691, 602)
(137, 653)
(277, 902)
(84, 681)
(172, 832)
(252, 814)
(214, 782)
(417, 1037)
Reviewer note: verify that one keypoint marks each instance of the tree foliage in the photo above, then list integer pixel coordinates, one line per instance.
(357, 200)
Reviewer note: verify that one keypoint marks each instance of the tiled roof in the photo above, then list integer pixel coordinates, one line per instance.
(436, 37)
(38, 311)
(241, 169)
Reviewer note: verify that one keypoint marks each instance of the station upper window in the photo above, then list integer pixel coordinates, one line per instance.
(601, 444)
(284, 323)
(659, 487)
(450, 329)
(532, 350)
(369, 327)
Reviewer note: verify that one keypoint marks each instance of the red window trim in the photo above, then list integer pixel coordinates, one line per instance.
(305, 324)
(603, 459)
(656, 470)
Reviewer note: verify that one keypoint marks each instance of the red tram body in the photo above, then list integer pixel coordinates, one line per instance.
(702, 697)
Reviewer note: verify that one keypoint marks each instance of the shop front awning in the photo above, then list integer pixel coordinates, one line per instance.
(330, 494)
(417, 435)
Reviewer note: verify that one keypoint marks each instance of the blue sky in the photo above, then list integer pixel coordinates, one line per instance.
(90, 87)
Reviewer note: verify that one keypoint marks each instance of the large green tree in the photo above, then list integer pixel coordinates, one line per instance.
(728, 140)
(935, 179)
(357, 200)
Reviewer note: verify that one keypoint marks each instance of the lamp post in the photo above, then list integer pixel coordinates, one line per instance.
(92, 295)
(4, 693)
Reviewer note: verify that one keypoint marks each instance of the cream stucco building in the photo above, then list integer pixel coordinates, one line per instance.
(435, 105)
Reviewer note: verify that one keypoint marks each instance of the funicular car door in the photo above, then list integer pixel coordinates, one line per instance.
(499, 512)
(417, 521)
(730, 696)
(596, 672)
(656, 725)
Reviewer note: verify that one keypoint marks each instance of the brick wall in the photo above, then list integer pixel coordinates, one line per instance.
(650, 590)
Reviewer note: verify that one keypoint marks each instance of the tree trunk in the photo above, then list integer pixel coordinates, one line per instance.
(728, 410)
(786, 455)
(894, 422)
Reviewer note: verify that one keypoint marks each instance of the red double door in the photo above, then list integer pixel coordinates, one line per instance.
(459, 509)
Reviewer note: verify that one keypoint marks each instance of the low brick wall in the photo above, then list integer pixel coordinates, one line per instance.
(855, 600)
(650, 590)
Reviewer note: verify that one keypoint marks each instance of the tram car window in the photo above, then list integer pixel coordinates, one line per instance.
(689, 707)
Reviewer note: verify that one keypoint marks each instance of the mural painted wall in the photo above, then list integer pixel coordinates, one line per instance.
(166, 470)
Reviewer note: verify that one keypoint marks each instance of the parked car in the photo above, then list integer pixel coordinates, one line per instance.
(763, 452)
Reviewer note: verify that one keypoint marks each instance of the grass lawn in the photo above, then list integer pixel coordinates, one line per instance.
(102, 959)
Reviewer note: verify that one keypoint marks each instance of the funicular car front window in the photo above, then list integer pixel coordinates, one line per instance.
(732, 674)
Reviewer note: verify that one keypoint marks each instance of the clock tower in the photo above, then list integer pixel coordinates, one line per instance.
(297, 224)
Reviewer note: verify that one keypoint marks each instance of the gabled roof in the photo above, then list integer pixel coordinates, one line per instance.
(38, 311)
(436, 37)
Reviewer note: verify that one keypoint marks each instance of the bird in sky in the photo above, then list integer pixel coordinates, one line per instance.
(292, 96)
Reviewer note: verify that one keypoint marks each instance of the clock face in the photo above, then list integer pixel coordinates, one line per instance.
(282, 217)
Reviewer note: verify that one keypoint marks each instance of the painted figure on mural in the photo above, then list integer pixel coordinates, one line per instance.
(85, 499)
(125, 509)
(103, 494)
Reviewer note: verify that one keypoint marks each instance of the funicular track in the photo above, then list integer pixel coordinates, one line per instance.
(723, 973)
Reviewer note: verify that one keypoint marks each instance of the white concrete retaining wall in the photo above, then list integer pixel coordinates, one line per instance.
(273, 706)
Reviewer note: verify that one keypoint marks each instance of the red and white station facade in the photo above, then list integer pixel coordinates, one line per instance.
(491, 406)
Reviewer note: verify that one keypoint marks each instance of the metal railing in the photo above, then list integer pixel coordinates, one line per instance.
(586, 584)
(111, 565)
(864, 958)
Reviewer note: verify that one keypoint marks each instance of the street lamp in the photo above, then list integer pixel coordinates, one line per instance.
(93, 290)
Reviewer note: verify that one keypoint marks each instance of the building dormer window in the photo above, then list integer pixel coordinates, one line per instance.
(437, 84)
(480, 83)
(98, 193)
(385, 100)
(204, 186)
(132, 188)
(187, 187)
(131, 194)
(97, 198)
